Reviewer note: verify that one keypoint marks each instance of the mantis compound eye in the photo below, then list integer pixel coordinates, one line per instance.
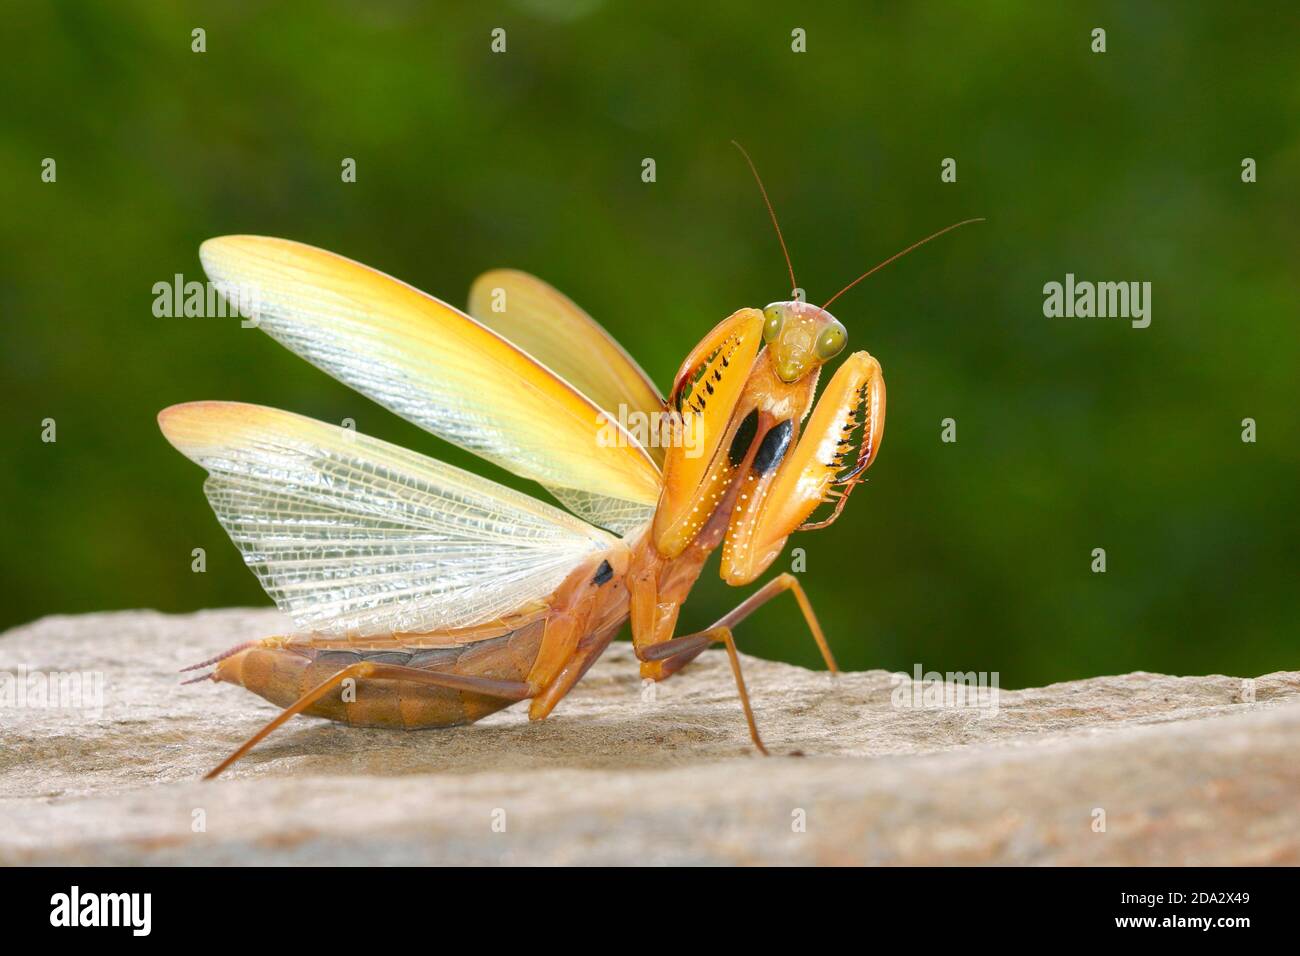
(774, 317)
(831, 342)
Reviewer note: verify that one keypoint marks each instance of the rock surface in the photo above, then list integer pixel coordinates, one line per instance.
(1179, 770)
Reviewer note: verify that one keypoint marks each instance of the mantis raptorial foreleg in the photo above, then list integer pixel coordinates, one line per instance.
(822, 467)
(778, 491)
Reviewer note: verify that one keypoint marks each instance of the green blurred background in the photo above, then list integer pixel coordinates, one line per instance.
(1073, 434)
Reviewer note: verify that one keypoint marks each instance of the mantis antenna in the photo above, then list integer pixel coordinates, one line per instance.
(786, 252)
(771, 212)
(898, 255)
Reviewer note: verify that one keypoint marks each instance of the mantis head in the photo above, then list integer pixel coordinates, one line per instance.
(800, 337)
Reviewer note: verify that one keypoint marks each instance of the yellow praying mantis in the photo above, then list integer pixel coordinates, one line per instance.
(426, 596)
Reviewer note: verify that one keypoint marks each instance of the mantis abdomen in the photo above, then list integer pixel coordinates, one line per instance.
(284, 670)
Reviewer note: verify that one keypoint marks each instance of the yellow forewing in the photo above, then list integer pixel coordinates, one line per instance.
(437, 367)
(551, 328)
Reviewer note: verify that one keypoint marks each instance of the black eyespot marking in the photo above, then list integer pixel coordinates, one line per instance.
(744, 438)
(603, 574)
(770, 453)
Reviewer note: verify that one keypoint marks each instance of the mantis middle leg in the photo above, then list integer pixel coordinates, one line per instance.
(664, 659)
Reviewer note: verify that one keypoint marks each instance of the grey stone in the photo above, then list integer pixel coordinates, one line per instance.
(1181, 770)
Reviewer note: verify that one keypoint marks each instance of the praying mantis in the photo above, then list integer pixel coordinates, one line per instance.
(426, 596)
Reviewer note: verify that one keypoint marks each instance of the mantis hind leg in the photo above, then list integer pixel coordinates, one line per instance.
(373, 670)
